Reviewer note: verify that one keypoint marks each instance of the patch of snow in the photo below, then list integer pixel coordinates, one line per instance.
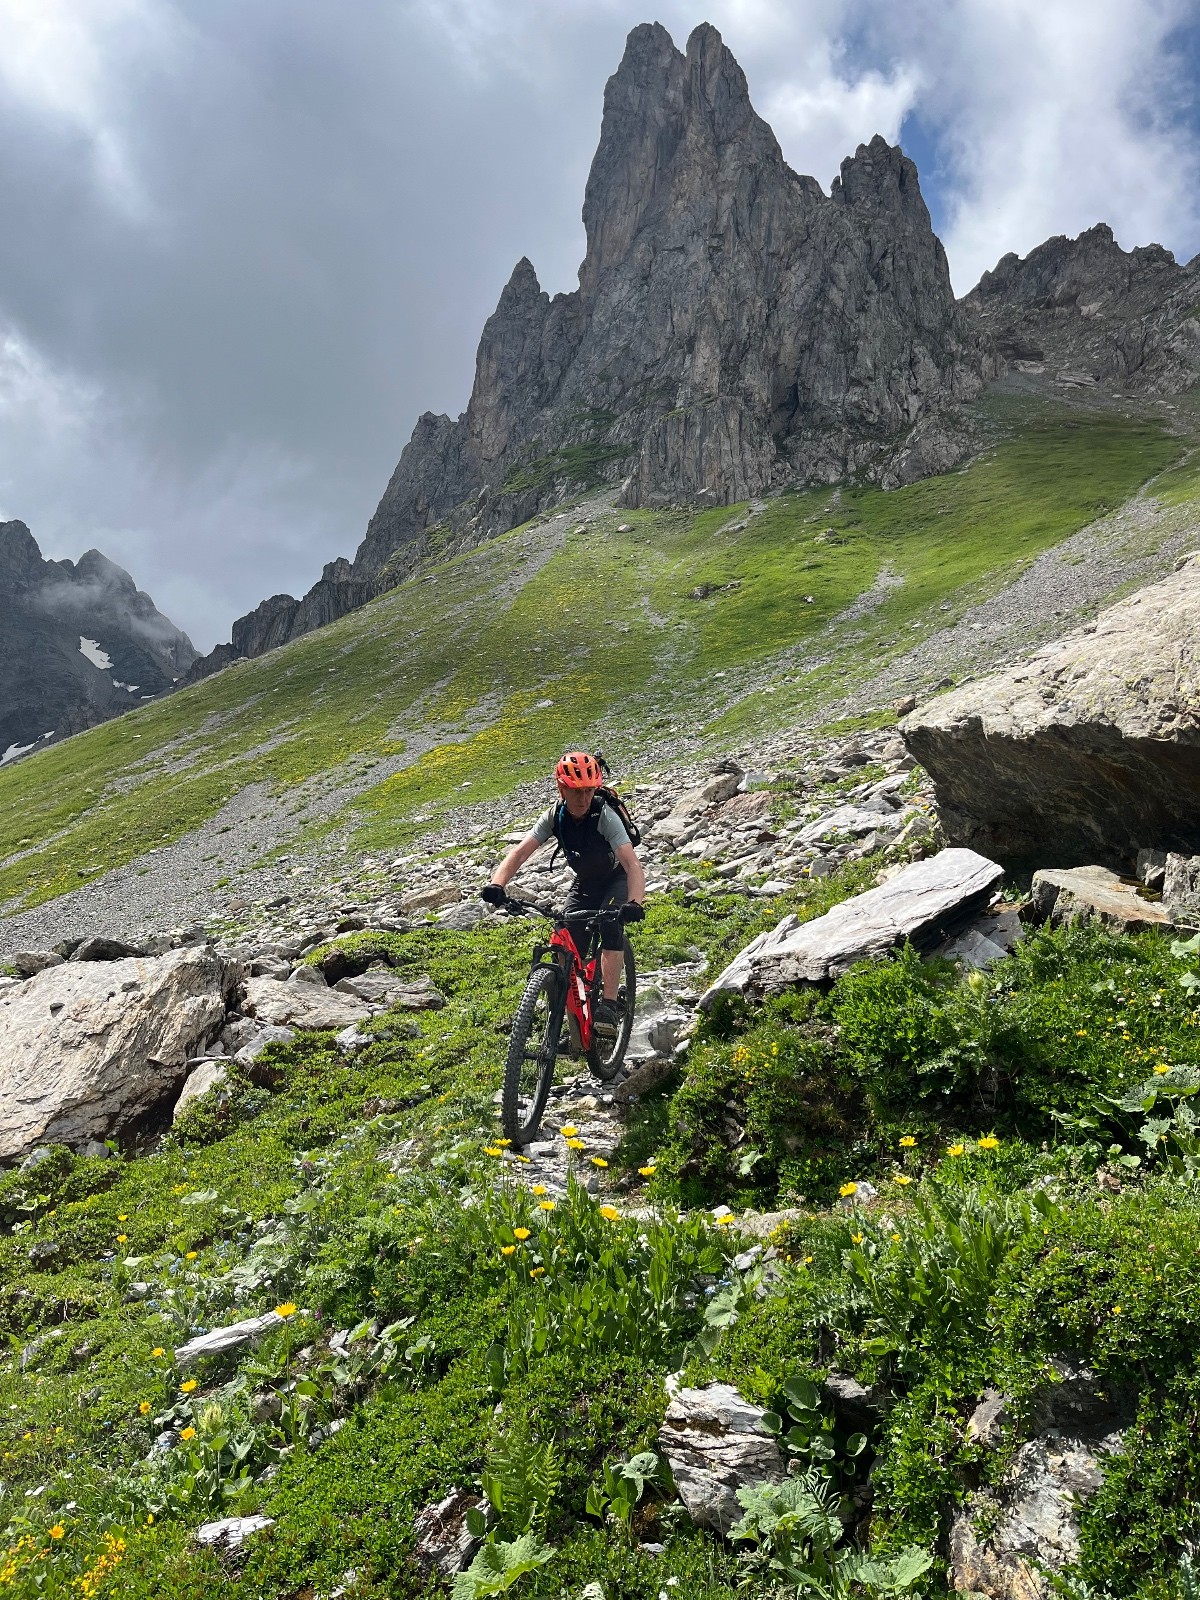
(15, 750)
(91, 649)
(49, 735)
(132, 687)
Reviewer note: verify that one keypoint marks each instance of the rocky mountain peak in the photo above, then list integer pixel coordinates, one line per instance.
(1095, 312)
(20, 557)
(80, 643)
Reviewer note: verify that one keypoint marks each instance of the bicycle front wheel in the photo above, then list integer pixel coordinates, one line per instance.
(532, 1051)
(605, 1056)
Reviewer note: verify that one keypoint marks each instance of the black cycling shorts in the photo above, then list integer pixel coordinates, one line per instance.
(591, 894)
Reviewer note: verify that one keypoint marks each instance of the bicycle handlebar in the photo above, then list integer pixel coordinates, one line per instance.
(561, 919)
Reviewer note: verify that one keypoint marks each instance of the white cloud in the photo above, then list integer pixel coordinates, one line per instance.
(56, 58)
(823, 118)
(1052, 115)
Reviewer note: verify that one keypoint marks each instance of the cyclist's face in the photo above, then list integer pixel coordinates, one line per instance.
(578, 800)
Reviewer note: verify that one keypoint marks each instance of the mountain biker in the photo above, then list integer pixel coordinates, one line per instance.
(600, 854)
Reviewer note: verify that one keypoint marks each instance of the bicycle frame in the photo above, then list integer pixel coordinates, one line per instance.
(582, 977)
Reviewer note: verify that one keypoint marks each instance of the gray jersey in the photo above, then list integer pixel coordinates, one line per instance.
(608, 825)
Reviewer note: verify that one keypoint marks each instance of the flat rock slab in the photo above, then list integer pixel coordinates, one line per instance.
(715, 1443)
(1093, 894)
(222, 1340)
(88, 1049)
(391, 989)
(302, 1005)
(231, 1533)
(919, 903)
(1087, 751)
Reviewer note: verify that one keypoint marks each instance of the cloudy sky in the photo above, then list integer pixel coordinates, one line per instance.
(243, 243)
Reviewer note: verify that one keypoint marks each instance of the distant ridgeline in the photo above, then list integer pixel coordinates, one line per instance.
(736, 329)
(80, 643)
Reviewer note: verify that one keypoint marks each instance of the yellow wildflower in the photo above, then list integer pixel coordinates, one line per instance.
(538, 1188)
(158, 1351)
(895, 1238)
(503, 1143)
(856, 1238)
(989, 1143)
(188, 1433)
(847, 1190)
(123, 1218)
(598, 1161)
(908, 1142)
(648, 1170)
(57, 1531)
(189, 1385)
(122, 1238)
(723, 1222)
(507, 1249)
(144, 1408)
(287, 1309)
(956, 1149)
(492, 1150)
(1161, 1068)
(547, 1205)
(576, 1144)
(609, 1213)
(521, 1233)
(1116, 1311)
(536, 1272)
(191, 1255)
(901, 1178)
(569, 1131)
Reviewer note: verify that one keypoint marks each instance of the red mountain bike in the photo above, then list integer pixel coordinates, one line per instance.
(565, 985)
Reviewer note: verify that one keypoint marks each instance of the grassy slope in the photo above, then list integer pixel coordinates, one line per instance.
(448, 678)
(923, 1065)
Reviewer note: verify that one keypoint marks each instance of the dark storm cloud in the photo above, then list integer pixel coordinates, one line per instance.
(244, 243)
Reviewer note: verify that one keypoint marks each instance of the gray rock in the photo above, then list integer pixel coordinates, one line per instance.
(432, 899)
(715, 1444)
(442, 1541)
(308, 974)
(464, 917)
(231, 1533)
(1181, 888)
(89, 1049)
(920, 902)
(102, 949)
(1087, 751)
(208, 1075)
(260, 1038)
(221, 1341)
(26, 963)
(1036, 1526)
(1092, 894)
(302, 1005)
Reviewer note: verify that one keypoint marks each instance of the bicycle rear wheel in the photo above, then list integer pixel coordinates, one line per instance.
(605, 1056)
(532, 1051)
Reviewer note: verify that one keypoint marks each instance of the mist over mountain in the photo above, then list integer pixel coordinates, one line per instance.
(80, 643)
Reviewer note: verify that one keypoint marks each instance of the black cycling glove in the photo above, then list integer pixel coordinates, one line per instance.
(632, 912)
(493, 893)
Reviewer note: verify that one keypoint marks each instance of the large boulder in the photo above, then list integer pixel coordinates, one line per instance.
(920, 903)
(90, 1050)
(1087, 751)
(303, 1005)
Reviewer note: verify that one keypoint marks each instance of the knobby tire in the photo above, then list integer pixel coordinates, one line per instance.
(527, 1078)
(605, 1056)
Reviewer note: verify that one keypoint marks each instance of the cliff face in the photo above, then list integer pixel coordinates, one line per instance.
(80, 643)
(1095, 312)
(734, 327)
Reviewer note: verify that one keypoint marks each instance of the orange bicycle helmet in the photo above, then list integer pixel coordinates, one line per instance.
(578, 770)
